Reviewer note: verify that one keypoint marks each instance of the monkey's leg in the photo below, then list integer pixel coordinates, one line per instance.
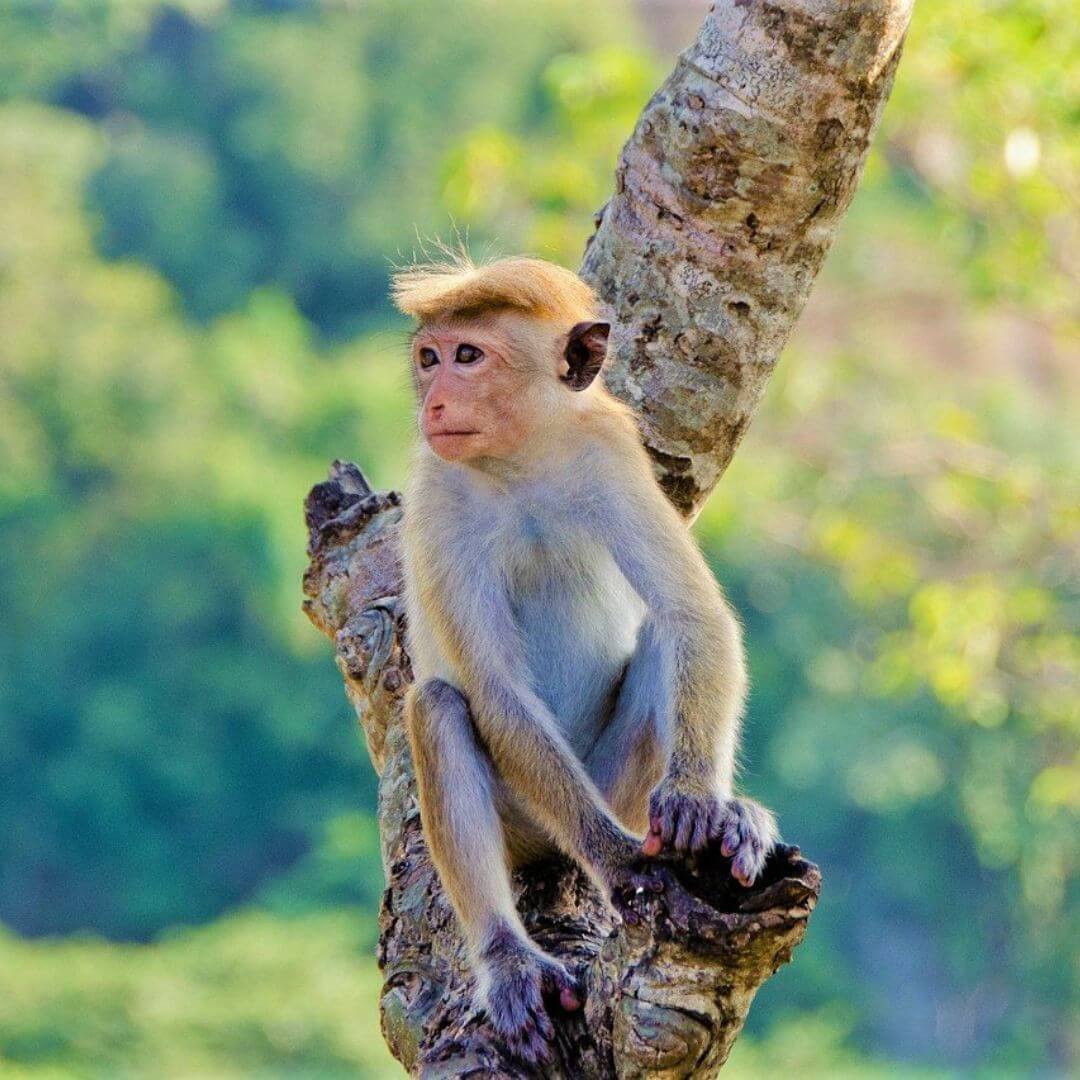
(459, 813)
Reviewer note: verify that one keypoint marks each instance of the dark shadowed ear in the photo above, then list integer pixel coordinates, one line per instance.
(586, 347)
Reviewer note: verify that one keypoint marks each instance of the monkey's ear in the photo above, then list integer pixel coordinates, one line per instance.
(586, 347)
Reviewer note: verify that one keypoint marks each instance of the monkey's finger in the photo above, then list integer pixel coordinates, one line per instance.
(700, 836)
(685, 827)
(746, 880)
(732, 837)
(663, 814)
(522, 1045)
(749, 862)
(543, 1023)
(716, 822)
(561, 984)
(667, 826)
(533, 1048)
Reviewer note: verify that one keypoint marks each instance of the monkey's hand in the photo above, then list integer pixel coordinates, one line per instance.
(686, 817)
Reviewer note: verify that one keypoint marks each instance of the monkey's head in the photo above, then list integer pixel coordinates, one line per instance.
(505, 355)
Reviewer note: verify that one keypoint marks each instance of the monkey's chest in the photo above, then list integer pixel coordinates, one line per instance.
(579, 620)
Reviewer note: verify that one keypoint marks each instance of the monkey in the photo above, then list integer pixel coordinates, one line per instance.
(579, 674)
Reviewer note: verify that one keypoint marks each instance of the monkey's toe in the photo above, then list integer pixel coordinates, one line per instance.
(557, 984)
(747, 833)
(529, 1043)
(517, 1013)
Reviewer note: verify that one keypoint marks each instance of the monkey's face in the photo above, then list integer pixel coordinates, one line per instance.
(487, 387)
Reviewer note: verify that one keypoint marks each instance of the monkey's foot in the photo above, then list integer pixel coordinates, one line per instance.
(518, 977)
(747, 833)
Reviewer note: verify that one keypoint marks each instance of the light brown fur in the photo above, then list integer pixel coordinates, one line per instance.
(435, 291)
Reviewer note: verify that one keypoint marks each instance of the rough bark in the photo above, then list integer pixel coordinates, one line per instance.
(727, 199)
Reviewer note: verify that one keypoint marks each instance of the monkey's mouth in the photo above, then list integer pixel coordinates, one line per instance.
(450, 434)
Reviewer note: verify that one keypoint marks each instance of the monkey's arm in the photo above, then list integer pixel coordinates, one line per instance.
(651, 545)
(466, 611)
(654, 550)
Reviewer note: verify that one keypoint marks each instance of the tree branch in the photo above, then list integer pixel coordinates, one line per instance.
(727, 199)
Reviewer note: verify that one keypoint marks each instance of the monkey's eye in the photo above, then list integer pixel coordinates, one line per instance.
(428, 358)
(468, 354)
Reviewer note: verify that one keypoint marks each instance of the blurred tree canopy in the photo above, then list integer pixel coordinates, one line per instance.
(202, 200)
(293, 145)
(212, 1002)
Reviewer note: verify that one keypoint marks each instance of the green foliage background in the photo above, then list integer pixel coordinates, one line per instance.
(200, 204)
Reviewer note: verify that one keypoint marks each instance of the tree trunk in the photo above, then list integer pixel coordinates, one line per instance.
(727, 199)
